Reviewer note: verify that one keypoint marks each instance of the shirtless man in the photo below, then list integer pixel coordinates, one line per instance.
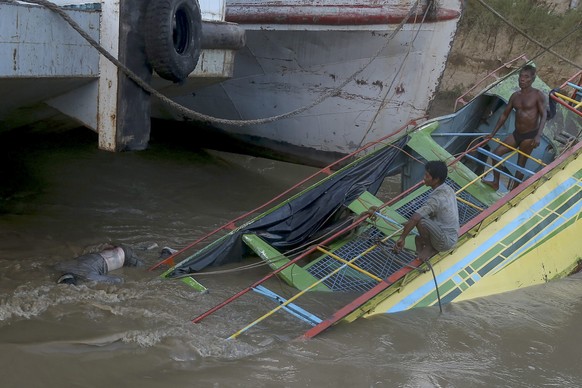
(530, 119)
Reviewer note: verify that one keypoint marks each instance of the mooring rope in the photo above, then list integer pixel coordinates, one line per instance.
(193, 115)
(430, 8)
(436, 285)
(394, 257)
(516, 28)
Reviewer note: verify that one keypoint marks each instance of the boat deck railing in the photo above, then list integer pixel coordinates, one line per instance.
(344, 264)
(573, 102)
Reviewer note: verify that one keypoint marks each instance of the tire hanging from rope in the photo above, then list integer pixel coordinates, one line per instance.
(173, 30)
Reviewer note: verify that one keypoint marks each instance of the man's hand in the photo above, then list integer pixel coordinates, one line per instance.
(399, 245)
(529, 144)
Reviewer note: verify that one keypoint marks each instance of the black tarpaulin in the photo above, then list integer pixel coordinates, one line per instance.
(297, 221)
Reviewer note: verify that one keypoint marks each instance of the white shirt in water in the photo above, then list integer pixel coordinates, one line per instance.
(114, 258)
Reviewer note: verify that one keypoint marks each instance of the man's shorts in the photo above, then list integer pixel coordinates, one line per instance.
(438, 239)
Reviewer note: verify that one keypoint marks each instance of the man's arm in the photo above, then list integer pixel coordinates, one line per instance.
(504, 116)
(541, 107)
(406, 231)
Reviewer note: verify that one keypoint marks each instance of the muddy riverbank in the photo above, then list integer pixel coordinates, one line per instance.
(484, 42)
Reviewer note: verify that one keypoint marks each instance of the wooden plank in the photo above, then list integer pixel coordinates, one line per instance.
(293, 275)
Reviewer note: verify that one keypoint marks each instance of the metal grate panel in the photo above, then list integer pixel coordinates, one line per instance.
(381, 262)
(466, 212)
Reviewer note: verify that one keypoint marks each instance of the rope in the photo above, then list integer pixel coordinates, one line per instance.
(436, 285)
(516, 28)
(283, 256)
(188, 113)
(381, 244)
(383, 103)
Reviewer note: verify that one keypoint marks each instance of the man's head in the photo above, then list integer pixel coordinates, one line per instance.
(436, 173)
(527, 76)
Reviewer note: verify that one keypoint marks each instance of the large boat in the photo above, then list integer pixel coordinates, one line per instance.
(318, 79)
(70, 63)
(314, 81)
(336, 236)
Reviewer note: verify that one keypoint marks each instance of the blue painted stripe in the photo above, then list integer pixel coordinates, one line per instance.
(290, 307)
(557, 223)
(428, 287)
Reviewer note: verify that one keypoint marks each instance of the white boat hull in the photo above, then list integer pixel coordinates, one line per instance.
(390, 80)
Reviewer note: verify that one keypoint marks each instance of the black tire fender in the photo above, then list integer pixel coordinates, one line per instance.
(173, 32)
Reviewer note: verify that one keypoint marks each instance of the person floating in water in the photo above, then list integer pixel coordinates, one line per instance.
(96, 266)
(530, 119)
(437, 221)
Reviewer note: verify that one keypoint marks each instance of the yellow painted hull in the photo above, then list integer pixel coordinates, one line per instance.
(534, 238)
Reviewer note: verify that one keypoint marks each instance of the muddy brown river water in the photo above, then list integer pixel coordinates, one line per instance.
(62, 196)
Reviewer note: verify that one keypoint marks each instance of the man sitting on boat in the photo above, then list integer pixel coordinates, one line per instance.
(437, 221)
(530, 119)
(96, 266)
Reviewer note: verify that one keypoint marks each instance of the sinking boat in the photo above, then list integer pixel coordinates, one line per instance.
(337, 235)
(316, 80)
